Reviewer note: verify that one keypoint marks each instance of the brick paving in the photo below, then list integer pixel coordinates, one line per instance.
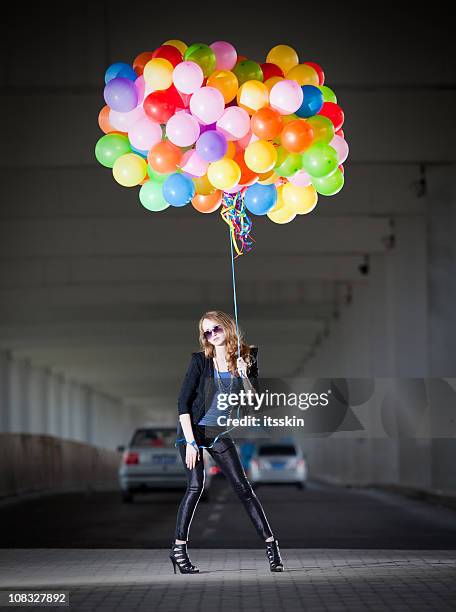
(235, 579)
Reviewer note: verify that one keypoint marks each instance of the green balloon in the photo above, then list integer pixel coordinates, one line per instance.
(110, 147)
(329, 185)
(323, 128)
(156, 176)
(320, 159)
(151, 197)
(248, 70)
(328, 94)
(203, 56)
(287, 163)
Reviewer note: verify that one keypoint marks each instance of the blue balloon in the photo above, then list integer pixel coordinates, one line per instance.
(259, 199)
(120, 69)
(138, 151)
(312, 102)
(178, 189)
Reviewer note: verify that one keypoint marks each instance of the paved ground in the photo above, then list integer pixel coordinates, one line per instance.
(231, 580)
(322, 516)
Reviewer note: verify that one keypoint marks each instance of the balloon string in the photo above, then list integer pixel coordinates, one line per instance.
(239, 224)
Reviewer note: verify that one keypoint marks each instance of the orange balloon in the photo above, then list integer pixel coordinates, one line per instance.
(202, 185)
(226, 82)
(140, 61)
(272, 81)
(164, 157)
(247, 176)
(231, 150)
(103, 120)
(297, 136)
(207, 203)
(266, 123)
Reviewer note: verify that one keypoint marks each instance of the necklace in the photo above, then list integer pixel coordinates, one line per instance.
(220, 384)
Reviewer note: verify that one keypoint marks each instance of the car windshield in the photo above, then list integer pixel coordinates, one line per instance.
(154, 438)
(277, 449)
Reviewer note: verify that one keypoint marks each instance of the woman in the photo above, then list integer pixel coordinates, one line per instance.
(212, 371)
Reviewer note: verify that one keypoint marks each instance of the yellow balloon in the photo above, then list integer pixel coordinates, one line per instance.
(260, 156)
(129, 169)
(300, 199)
(179, 44)
(226, 82)
(284, 57)
(158, 73)
(279, 202)
(272, 81)
(304, 75)
(203, 186)
(252, 96)
(231, 150)
(224, 173)
(281, 212)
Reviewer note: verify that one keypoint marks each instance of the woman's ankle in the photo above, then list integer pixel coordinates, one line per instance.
(180, 541)
(270, 539)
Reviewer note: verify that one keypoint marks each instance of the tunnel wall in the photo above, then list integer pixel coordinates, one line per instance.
(402, 324)
(31, 463)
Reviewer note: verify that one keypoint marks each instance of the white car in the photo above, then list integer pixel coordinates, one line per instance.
(151, 462)
(274, 462)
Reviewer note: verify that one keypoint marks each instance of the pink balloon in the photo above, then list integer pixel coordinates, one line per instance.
(182, 129)
(194, 164)
(144, 134)
(140, 88)
(341, 146)
(188, 77)
(247, 139)
(207, 104)
(300, 179)
(286, 96)
(234, 123)
(123, 121)
(226, 55)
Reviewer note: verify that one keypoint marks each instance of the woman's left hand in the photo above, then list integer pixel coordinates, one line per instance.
(242, 367)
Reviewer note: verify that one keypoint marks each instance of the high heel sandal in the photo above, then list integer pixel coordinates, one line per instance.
(179, 557)
(274, 558)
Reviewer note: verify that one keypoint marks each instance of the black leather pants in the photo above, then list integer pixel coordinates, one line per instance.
(226, 456)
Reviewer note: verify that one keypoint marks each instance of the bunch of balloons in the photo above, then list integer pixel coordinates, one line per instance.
(199, 124)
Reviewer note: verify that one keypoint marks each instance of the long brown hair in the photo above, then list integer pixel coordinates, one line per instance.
(231, 341)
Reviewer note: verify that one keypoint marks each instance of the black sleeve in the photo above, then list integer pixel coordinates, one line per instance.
(189, 386)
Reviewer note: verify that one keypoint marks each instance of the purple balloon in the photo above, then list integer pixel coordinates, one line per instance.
(211, 146)
(206, 128)
(121, 94)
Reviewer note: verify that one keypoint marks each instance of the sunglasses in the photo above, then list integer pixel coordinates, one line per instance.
(215, 330)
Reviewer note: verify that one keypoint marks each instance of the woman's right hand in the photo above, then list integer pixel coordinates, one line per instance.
(191, 456)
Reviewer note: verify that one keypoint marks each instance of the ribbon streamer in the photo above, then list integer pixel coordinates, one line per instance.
(234, 213)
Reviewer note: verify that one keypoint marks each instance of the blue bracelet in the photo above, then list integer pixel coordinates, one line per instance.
(194, 444)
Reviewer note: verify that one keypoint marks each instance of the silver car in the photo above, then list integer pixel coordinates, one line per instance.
(278, 463)
(151, 462)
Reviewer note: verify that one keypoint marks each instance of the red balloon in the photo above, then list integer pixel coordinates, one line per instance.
(140, 61)
(271, 70)
(247, 176)
(334, 113)
(160, 105)
(341, 168)
(170, 53)
(319, 70)
(340, 133)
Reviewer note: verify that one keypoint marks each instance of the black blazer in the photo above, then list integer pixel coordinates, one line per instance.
(199, 383)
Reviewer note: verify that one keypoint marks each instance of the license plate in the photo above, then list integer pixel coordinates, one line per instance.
(278, 465)
(162, 459)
